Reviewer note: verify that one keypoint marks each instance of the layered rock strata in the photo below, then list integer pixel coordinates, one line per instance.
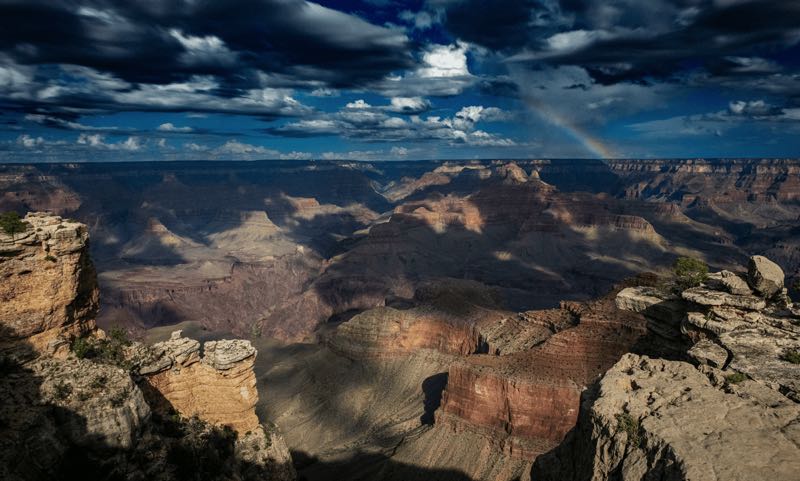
(529, 399)
(218, 387)
(48, 286)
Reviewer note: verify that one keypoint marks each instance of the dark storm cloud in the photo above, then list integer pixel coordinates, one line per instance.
(497, 25)
(631, 40)
(168, 41)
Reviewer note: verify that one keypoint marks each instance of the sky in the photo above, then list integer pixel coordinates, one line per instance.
(104, 80)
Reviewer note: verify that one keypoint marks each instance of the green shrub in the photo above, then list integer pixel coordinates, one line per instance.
(119, 336)
(105, 351)
(12, 224)
(630, 425)
(791, 355)
(82, 348)
(50, 258)
(62, 390)
(689, 272)
(735, 378)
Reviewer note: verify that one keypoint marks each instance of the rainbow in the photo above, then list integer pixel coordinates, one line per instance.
(589, 142)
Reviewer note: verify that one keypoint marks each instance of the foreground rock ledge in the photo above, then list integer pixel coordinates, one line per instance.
(668, 420)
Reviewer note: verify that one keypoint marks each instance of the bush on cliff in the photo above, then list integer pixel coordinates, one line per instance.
(12, 224)
(690, 272)
(107, 351)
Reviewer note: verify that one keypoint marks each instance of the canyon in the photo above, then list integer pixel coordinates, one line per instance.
(465, 320)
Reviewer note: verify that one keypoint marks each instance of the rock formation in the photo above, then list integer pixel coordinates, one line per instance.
(48, 288)
(730, 413)
(658, 419)
(530, 398)
(65, 414)
(219, 387)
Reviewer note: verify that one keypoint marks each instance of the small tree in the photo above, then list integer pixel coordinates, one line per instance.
(690, 272)
(11, 223)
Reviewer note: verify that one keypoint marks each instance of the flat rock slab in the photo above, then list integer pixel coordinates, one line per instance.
(225, 354)
(710, 353)
(757, 352)
(706, 432)
(709, 297)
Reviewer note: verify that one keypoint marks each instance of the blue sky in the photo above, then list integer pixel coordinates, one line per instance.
(104, 80)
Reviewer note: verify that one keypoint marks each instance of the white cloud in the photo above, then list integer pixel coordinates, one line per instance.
(399, 151)
(444, 61)
(409, 105)
(98, 141)
(359, 121)
(169, 127)
(234, 147)
(29, 142)
(208, 50)
(195, 147)
(443, 71)
(65, 124)
(324, 92)
(358, 104)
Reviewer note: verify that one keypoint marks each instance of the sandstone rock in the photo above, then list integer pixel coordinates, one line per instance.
(48, 287)
(764, 276)
(265, 450)
(658, 419)
(219, 388)
(708, 297)
(708, 352)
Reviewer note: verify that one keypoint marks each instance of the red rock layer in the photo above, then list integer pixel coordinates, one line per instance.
(533, 396)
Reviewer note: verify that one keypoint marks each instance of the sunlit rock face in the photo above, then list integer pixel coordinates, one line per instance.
(218, 387)
(48, 293)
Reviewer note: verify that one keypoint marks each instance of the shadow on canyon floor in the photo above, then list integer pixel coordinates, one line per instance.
(368, 467)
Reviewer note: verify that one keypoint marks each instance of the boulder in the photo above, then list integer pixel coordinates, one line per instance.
(710, 353)
(765, 276)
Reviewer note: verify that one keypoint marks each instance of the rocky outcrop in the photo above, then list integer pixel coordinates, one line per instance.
(650, 418)
(48, 287)
(658, 419)
(218, 387)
